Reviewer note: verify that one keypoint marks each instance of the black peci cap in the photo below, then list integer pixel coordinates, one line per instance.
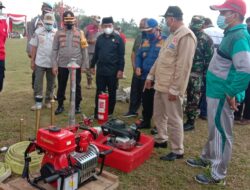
(107, 20)
(173, 11)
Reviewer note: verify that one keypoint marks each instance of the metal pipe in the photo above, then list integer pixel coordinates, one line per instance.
(38, 114)
(72, 66)
(52, 118)
(21, 129)
(39, 100)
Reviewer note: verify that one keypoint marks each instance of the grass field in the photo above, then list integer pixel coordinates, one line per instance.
(16, 100)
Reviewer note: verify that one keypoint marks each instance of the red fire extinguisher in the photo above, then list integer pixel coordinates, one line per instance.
(103, 108)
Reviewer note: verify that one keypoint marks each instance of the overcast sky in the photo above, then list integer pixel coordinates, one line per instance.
(119, 9)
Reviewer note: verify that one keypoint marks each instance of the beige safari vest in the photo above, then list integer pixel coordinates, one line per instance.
(172, 68)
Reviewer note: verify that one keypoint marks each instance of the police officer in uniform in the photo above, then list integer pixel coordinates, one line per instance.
(136, 91)
(69, 43)
(203, 54)
(92, 31)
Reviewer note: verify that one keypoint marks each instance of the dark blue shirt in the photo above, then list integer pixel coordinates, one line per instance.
(147, 54)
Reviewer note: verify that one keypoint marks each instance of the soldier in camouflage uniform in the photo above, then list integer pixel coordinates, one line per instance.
(136, 91)
(203, 54)
(92, 31)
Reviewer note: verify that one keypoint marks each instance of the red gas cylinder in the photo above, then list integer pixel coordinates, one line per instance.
(103, 102)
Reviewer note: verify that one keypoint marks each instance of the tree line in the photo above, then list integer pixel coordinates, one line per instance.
(129, 28)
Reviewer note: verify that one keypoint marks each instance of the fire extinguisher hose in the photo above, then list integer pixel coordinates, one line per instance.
(5, 171)
(15, 158)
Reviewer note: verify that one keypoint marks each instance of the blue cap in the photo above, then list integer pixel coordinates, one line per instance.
(150, 24)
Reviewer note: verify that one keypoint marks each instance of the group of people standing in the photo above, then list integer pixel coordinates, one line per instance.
(210, 66)
(212, 70)
(97, 46)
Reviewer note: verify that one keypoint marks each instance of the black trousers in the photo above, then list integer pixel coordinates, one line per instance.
(33, 79)
(62, 77)
(246, 111)
(135, 94)
(2, 75)
(147, 103)
(102, 84)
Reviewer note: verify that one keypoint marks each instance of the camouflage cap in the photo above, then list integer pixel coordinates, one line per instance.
(143, 23)
(1, 5)
(48, 4)
(47, 7)
(96, 18)
(197, 22)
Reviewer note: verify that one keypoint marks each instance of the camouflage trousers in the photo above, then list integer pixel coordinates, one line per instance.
(88, 72)
(193, 95)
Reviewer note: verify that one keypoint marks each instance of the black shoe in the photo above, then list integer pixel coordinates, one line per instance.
(198, 162)
(154, 131)
(209, 180)
(59, 110)
(161, 145)
(172, 156)
(130, 114)
(78, 110)
(144, 125)
(189, 125)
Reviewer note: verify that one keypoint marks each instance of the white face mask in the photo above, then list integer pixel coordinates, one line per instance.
(108, 30)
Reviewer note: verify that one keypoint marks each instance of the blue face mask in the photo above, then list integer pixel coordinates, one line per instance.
(48, 27)
(151, 37)
(144, 34)
(221, 21)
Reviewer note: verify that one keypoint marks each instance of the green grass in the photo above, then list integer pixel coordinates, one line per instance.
(16, 100)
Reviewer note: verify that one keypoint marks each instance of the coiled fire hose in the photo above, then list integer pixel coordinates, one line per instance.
(5, 171)
(15, 158)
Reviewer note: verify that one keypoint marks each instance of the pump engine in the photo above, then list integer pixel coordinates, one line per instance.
(121, 136)
(69, 158)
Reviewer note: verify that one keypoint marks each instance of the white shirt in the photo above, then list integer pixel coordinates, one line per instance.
(215, 33)
(43, 40)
